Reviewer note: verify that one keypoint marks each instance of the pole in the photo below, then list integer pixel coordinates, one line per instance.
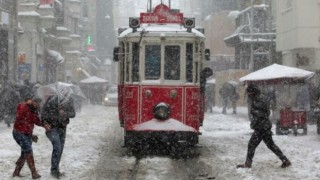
(251, 32)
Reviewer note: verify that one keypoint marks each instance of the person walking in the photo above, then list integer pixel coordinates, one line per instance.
(9, 98)
(56, 112)
(26, 118)
(225, 92)
(261, 124)
(234, 97)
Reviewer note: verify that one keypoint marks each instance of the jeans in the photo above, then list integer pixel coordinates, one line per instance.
(57, 137)
(24, 141)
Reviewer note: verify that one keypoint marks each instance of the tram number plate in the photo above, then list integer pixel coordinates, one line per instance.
(129, 94)
(195, 96)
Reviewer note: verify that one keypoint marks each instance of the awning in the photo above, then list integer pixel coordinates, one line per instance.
(55, 57)
(93, 79)
(243, 35)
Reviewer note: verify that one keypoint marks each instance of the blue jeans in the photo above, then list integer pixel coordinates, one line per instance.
(57, 137)
(24, 141)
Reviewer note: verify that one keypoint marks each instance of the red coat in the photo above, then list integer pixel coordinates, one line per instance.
(26, 118)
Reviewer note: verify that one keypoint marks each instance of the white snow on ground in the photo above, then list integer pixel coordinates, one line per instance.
(225, 135)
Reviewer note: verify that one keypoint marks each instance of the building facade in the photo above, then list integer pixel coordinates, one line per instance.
(8, 40)
(298, 33)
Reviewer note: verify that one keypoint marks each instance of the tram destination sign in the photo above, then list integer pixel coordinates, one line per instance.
(161, 15)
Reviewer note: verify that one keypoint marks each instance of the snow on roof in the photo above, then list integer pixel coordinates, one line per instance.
(172, 28)
(45, 6)
(168, 125)
(75, 36)
(29, 13)
(64, 38)
(261, 6)
(233, 14)
(74, 1)
(48, 16)
(61, 28)
(56, 55)
(74, 52)
(211, 81)
(93, 79)
(28, 4)
(276, 71)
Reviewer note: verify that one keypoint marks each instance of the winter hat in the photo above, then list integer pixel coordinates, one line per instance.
(252, 88)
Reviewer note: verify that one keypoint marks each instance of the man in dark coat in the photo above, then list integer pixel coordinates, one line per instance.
(225, 92)
(56, 112)
(261, 124)
(9, 98)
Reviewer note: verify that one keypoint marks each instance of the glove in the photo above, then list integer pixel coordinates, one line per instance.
(34, 138)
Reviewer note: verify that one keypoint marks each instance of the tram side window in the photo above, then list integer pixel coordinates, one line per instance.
(122, 61)
(152, 62)
(135, 62)
(189, 62)
(172, 63)
(127, 62)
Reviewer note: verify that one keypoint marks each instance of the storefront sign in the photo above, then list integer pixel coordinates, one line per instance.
(24, 71)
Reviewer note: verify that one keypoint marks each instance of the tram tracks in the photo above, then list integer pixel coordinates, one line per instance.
(188, 167)
(135, 169)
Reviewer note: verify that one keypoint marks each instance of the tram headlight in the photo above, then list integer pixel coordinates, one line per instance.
(161, 111)
(189, 22)
(134, 22)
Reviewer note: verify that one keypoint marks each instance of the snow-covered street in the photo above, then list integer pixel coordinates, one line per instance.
(93, 151)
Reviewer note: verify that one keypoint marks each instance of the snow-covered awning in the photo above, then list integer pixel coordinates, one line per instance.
(93, 79)
(55, 56)
(241, 35)
(276, 73)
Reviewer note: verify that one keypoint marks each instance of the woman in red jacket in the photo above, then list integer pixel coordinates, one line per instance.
(26, 118)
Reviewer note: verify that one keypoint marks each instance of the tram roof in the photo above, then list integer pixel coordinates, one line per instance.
(169, 29)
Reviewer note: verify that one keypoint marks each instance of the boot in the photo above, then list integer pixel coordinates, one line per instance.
(286, 163)
(19, 165)
(245, 165)
(30, 161)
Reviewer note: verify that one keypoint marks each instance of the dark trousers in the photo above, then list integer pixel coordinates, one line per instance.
(57, 137)
(266, 137)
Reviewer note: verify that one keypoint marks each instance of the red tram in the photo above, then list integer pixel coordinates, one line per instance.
(161, 62)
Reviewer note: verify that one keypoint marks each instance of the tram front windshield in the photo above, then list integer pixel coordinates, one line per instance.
(171, 62)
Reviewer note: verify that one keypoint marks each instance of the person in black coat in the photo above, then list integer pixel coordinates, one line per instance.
(261, 124)
(56, 112)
